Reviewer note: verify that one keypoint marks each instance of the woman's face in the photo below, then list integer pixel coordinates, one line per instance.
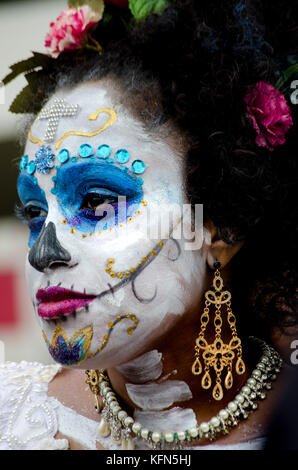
(107, 276)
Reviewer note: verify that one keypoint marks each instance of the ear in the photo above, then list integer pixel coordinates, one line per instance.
(219, 250)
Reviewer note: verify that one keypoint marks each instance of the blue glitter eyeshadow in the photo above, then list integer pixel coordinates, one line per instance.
(85, 151)
(75, 181)
(138, 167)
(63, 155)
(23, 162)
(122, 156)
(104, 151)
(30, 193)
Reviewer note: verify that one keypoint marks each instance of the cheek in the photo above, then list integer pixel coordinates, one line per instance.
(159, 297)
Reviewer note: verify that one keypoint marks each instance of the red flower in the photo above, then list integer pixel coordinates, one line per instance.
(270, 114)
(118, 3)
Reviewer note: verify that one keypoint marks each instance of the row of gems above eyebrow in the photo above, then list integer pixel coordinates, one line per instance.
(104, 151)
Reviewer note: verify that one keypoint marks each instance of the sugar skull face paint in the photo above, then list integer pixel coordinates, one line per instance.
(103, 294)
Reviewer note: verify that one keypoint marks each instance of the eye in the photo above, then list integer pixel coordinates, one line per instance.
(95, 199)
(30, 212)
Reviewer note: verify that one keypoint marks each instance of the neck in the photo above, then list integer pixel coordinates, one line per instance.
(159, 384)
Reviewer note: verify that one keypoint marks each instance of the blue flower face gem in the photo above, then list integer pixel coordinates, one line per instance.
(23, 162)
(104, 151)
(122, 156)
(85, 151)
(31, 167)
(63, 155)
(44, 159)
(138, 167)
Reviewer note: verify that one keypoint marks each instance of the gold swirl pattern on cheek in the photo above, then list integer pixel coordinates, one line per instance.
(112, 118)
(111, 326)
(127, 272)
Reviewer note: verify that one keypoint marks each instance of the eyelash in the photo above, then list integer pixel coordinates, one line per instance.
(20, 212)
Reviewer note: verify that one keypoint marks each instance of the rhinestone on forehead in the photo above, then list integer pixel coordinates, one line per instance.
(54, 113)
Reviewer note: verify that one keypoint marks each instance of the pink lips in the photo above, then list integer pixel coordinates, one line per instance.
(55, 302)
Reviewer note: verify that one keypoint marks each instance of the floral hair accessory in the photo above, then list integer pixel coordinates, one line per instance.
(84, 25)
(71, 29)
(270, 114)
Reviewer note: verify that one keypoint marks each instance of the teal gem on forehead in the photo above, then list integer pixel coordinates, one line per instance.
(85, 151)
(23, 162)
(31, 167)
(104, 151)
(122, 156)
(63, 155)
(138, 167)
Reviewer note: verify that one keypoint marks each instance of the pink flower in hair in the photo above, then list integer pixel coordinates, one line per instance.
(70, 29)
(270, 114)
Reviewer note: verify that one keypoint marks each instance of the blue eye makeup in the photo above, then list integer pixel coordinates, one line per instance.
(88, 193)
(34, 205)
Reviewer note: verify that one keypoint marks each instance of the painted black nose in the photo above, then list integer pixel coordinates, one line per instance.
(47, 251)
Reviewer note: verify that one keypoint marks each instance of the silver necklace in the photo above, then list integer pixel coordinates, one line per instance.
(124, 430)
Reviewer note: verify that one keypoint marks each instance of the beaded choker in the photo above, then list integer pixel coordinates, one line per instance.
(125, 431)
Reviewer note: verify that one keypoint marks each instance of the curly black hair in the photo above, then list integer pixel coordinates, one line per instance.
(202, 56)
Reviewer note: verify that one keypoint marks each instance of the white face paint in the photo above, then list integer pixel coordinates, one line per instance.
(121, 321)
(145, 368)
(158, 396)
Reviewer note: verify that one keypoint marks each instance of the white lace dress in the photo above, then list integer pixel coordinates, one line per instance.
(29, 418)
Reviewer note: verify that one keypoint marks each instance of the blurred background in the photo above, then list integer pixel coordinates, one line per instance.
(23, 26)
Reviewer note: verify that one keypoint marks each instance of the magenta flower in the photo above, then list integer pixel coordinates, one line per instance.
(270, 114)
(71, 29)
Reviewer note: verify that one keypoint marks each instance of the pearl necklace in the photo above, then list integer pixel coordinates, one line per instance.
(124, 430)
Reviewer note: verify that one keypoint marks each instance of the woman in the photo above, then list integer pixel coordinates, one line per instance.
(162, 108)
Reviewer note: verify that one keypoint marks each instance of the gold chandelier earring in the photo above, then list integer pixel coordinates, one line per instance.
(218, 355)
